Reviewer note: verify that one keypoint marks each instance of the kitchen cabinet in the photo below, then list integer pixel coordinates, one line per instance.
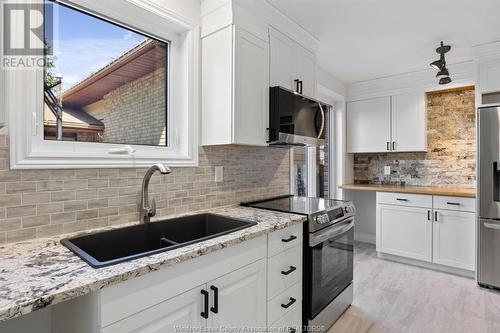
(489, 76)
(232, 300)
(434, 229)
(241, 298)
(404, 231)
(454, 241)
(387, 124)
(180, 311)
(292, 66)
(369, 125)
(408, 123)
(235, 88)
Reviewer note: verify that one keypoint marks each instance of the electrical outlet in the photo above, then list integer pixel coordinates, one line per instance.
(387, 170)
(219, 174)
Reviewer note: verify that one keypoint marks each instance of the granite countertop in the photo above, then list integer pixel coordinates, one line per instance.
(454, 191)
(42, 272)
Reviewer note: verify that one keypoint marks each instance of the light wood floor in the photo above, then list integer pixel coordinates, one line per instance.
(393, 297)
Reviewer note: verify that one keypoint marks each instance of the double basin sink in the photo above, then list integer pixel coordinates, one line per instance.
(118, 245)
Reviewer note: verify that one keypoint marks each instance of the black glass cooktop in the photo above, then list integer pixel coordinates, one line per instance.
(296, 204)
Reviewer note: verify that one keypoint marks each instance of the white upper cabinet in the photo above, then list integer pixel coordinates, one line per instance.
(306, 71)
(409, 123)
(489, 76)
(369, 125)
(235, 88)
(292, 66)
(387, 124)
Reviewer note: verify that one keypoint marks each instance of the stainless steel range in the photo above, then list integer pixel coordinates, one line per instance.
(328, 254)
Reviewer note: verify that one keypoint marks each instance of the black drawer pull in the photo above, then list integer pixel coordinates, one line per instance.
(215, 308)
(289, 304)
(204, 313)
(292, 330)
(399, 199)
(292, 268)
(453, 203)
(289, 239)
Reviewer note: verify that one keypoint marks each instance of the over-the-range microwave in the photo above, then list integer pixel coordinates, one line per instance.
(295, 119)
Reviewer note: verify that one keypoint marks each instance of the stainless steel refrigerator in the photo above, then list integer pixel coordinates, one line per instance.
(488, 200)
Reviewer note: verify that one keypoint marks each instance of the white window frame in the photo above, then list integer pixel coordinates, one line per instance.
(24, 98)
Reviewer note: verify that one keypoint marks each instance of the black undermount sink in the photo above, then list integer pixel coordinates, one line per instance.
(114, 246)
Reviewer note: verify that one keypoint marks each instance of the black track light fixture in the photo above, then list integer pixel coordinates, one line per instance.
(440, 65)
(443, 72)
(445, 80)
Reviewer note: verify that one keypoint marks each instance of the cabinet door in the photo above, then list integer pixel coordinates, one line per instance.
(369, 125)
(251, 93)
(454, 236)
(182, 311)
(409, 123)
(283, 60)
(306, 70)
(404, 231)
(241, 297)
(217, 87)
(489, 76)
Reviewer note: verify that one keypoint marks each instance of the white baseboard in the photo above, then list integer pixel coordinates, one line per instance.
(437, 267)
(364, 238)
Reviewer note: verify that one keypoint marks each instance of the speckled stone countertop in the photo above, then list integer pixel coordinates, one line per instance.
(42, 272)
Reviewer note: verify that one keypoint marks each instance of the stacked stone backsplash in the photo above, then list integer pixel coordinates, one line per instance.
(39, 203)
(451, 155)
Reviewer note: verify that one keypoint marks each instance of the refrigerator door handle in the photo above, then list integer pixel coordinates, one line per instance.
(491, 225)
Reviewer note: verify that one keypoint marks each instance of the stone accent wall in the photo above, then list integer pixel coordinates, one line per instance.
(451, 155)
(39, 203)
(125, 118)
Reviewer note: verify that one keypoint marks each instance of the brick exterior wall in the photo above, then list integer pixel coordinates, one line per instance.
(124, 117)
(39, 203)
(451, 155)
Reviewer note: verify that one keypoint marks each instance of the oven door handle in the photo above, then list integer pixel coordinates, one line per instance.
(331, 232)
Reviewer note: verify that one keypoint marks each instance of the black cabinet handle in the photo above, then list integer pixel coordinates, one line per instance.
(453, 203)
(289, 239)
(215, 308)
(204, 313)
(292, 330)
(428, 215)
(301, 83)
(435, 216)
(393, 145)
(399, 199)
(292, 268)
(296, 85)
(289, 304)
(388, 145)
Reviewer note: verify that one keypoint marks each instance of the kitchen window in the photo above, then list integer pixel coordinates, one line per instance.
(118, 89)
(103, 82)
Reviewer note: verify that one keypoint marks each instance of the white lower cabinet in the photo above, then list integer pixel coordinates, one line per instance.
(434, 229)
(179, 312)
(404, 231)
(241, 296)
(454, 239)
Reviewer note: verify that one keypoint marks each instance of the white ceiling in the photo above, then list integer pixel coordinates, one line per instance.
(367, 39)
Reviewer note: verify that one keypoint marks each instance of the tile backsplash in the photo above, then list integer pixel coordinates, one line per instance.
(451, 155)
(39, 203)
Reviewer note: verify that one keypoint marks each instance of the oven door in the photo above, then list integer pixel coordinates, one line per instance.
(330, 264)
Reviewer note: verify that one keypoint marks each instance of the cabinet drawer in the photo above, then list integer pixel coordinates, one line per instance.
(455, 203)
(292, 320)
(404, 199)
(284, 239)
(284, 303)
(284, 270)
